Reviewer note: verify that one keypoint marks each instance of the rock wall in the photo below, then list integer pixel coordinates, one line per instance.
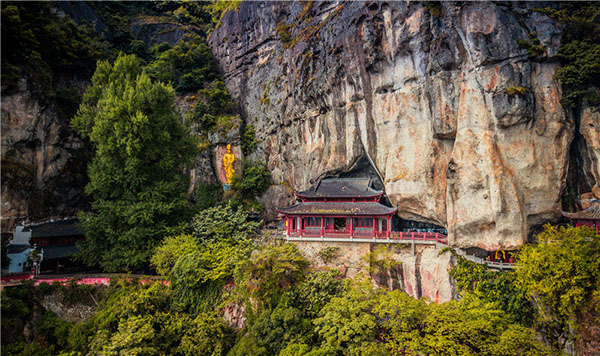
(422, 274)
(43, 160)
(463, 126)
(589, 128)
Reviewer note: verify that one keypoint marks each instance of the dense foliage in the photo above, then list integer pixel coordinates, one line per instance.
(555, 289)
(561, 275)
(36, 42)
(187, 66)
(579, 51)
(235, 296)
(136, 177)
(223, 223)
(494, 287)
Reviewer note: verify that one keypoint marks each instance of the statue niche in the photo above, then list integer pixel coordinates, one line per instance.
(228, 160)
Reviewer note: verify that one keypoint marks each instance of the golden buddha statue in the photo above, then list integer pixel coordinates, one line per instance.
(228, 160)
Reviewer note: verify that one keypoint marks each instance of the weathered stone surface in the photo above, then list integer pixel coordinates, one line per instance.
(589, 128)
(350, 259)
(43, 161)
(424, 94)
(423, 274)
(278, 195)
(78, 312)
(156, 30)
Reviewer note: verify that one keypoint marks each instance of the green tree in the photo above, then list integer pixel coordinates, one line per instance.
(346, 324)
(561, 274)
(255, 180)
(199, 277)
(579, 51)
(188, 65)
(268, 273)
(492, 286)
(170, 250)
(136, 178)
(223, 222)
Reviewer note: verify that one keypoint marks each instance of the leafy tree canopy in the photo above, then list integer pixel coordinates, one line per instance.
(136, 177)
(561, 275)
(223, 222)
(37, 42)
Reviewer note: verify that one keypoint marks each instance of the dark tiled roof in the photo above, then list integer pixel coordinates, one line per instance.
(341, 187)
(57, 228)
(16, 248)
(51, 252)
(326, 208)
(591, 213)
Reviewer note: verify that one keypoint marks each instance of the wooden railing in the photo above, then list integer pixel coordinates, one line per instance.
(394, 235)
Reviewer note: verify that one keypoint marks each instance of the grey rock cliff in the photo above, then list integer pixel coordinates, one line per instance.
(464, 128)
(43, 160)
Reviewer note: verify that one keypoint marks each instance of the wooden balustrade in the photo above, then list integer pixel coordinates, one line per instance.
(394, 235)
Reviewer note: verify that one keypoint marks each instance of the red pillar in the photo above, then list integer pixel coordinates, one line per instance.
(322, 223)
(301, 226)
(351, 227)
(389, 228)
(374, 227)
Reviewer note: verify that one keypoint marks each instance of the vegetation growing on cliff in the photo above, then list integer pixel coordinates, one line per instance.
(561, 275)
(556, 288)
(579, 51)
(188, 66)
(141, 148)
(277, 306)
(37, 43)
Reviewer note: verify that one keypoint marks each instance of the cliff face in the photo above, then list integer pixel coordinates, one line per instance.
(464, 128)
(43, 160)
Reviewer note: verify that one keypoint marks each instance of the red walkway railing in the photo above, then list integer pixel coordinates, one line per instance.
(88, 280)
(394, 235)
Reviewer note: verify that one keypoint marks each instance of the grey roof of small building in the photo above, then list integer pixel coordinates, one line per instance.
(341, 188)
(17, 248)
(591, 213)
(344, 208)
(51, 252)
(57, 228)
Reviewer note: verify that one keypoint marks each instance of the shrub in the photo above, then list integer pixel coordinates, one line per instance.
(255, 180)
(223, 223)
(328, 254)
(249, 141)
(516, 91)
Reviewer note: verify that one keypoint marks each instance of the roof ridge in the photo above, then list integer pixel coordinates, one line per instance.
(52, 220)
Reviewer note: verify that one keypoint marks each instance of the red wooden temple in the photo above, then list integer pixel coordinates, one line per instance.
(346, 208)
(587, 217)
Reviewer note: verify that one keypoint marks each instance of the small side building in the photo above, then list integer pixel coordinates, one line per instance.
(56, 240)
(588, 217)
(18, 250)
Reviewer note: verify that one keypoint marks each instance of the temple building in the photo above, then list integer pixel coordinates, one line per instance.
(348, 208)
(587, 217)
(56, 241)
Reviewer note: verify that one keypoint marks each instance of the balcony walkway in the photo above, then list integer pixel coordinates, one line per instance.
(396, 237)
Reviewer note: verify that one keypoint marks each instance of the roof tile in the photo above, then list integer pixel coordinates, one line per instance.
(328, 208)
(341, 187)
(591, 213)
